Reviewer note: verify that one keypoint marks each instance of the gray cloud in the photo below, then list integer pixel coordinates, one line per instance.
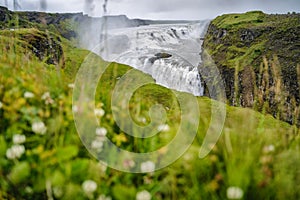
(168, 9)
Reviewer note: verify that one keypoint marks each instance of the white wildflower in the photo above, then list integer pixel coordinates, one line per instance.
(235, 193)
(46, 95)
(28, 190)
(266, 159)
(163, 128)
(39, 128)
(89, 186)
(47, 98)
(58, 192)
(148, 166)
(97, 144)
(71, 85)
(1, 104)
(102, 166)
(28, 95)
(143, 120)
(19, 139)
(75, 109)
(16, 151)
(99, 112)
(143, 195)
(104, 197)
(128, 163)
(101, 132)
(269, 149)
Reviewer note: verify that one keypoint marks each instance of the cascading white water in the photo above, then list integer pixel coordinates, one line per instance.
(170, 53)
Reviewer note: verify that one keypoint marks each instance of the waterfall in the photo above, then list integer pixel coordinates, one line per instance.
(170, 53)
(43, 5)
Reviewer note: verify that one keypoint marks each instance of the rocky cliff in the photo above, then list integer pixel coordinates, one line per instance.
(257, 55)
(63, 23)
(43, 30)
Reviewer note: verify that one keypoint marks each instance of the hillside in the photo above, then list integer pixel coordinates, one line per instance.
(258, 56)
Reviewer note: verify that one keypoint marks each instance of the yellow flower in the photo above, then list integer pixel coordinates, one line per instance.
(119, 139)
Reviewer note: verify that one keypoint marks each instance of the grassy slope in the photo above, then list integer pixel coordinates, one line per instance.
(235, 48)
(59, 158)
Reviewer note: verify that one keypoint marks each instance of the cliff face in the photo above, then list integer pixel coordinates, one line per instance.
(64, 24)
(257, 55)
(43, 30)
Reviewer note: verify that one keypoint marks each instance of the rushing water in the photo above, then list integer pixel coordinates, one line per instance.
(170, 53)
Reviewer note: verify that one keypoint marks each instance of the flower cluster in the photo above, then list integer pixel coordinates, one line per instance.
(268, 149)
(15, 152)
(235, 193)
(71, 85)
(99, 112)
(75, 109)
(101, 132)
(97, 143)
(143, 195)
(163, 128)
(148, 166)
(39, 128)
(28, 95)
(19, 139)
(128, 163)
(47, 98)
(89, 186)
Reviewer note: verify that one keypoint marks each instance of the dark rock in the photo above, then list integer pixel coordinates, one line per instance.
(247, 35)
(44, 46)
(174, 32)
(158, 56)
(5, 14)
(163, 55)
(153, 59)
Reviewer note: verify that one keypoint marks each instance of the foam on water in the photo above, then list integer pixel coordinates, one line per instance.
(138, 47)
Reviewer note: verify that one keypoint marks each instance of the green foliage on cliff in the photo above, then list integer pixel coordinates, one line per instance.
(254, 18)
(254, 52)
(242, 39)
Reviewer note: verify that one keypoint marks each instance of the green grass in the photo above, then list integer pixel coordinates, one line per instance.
(228, 48)
(244, 56)
(239, 20)
(56, 164)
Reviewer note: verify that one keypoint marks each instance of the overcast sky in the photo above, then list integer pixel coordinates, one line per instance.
(165, 9)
